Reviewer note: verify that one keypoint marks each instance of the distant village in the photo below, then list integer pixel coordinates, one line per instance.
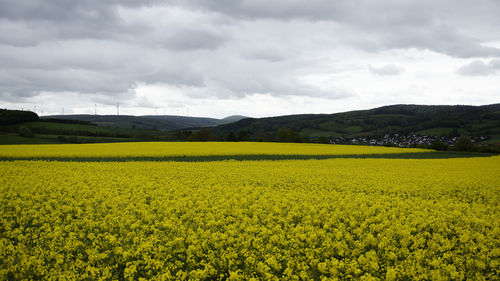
(403, 140)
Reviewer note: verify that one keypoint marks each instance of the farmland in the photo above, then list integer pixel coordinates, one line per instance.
(367, 219)
(188, 149)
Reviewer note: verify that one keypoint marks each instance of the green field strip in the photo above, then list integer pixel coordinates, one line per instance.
(257, 157)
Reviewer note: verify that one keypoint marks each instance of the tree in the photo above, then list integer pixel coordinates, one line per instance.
(437, 145)
(180, 135)
(453, 133)
(464, 143)
(204, 134)
(231, 137)
(324, 140)
(268, 136)
(307, 138)
(288, 135)
(243, 135)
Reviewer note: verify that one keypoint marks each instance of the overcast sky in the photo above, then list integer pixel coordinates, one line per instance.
(250, 57)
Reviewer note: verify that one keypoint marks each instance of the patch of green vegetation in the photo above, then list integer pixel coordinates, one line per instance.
(388, 116)
(60, 139)
(148, 122)
(105, 124)
(16, 139)
(331, 125)
(437, 131)
(88, 139)
(418, 155)
(65, 127)
(353, 129)
(486, 124)
(318, 133)
(493, 139)
(69, 129)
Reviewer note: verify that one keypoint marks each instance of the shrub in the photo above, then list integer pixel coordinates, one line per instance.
(437, 145)
(324, 140)
(25, 132)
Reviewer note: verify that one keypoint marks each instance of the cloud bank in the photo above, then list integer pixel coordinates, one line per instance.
(388, 69)
(105, 51)
(480, 68)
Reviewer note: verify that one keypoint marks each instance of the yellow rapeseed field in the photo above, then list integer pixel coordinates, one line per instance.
(168, 149)
(336, 219)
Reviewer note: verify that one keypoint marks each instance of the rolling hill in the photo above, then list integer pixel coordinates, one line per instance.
(482, 123)
(157, 122)
(98, 128)
(435, 120)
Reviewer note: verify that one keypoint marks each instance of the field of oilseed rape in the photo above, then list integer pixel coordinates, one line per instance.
(172, 149)
(334, 219)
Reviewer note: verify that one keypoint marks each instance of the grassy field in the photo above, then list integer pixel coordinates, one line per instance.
(493, 139)
(65, 127)
(13, 139)
(318, 133)
(44, 129)
(60, 133)
(54, 127)
(16, 139)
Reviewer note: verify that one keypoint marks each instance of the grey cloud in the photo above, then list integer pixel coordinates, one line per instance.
(283, 83)
(30, 82)
(388, 69)
(19, 34)
(264, 57)
(480, 68)
(264, 9)
(417, 24)
(192, 39)
(109, 68)
(227, 48)
(438, 38)
(27, 23)
(27, 82)
(63, 10)
(433, 36)
(64, 19)
(269, 54)
(390, 24)
(365, 12)
(357, 12)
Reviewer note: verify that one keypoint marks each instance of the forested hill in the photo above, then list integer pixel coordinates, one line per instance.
(435, 120)
(375, 126)
(9, 117)
(159, 122)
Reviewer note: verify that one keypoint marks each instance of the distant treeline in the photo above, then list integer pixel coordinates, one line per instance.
(464, 143)
(56, 131)
(67, 132)
(67, 121)
(11, 117)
